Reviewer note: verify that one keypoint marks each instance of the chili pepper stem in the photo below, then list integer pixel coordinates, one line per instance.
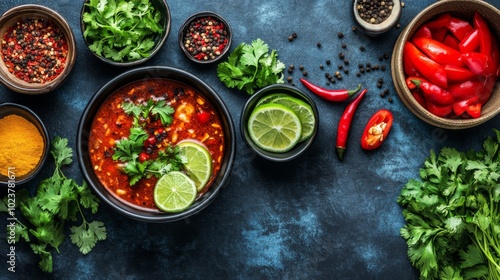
(340, 152)
(354, 91)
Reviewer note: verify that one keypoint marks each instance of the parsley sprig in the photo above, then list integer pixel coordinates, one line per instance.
(453, 214)
(251, 67)
(127, 150)
(58, 201)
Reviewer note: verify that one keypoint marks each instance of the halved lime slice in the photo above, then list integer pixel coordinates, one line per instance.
(274, 127)
(199, 162)
(303, 111)
(268, 98)
(174, 192)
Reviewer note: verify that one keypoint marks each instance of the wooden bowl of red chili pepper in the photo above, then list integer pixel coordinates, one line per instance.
(39, 60)
(205, 37)
(446, 64)
(174, 106)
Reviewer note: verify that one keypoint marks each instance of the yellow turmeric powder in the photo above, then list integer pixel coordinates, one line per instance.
(21, 145)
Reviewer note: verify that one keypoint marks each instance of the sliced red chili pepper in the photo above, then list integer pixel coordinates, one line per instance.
(460, 107)
(451, 42)
(479, 63)
(440, 21)
(419, 97)
(438, 110)
(423, 31)
(434, 93)
(425, 66)
(485, 94)
(459, 28)
(474, 110)
(485, 45)
(470, 43)
(345, 123)
(438, 51)
(439, 34)
(377, 129)
(335, 95)
(458, 74)
(203, 117)
(466, 89)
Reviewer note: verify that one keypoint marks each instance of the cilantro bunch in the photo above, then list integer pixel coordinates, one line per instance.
(59, 200)
(121, 30)
(453, 214)
(251, 67)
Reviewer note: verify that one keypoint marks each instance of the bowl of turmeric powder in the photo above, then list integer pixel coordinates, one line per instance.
(24, 144)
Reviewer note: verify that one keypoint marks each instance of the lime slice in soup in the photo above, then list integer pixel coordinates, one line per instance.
(199, 162)
(274, 127)
(174, 192)
(303, 111)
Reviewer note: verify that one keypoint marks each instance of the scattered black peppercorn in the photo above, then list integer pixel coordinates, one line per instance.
(340, 66)
(340, 35)
(346, 71)
(344, 45)
(321, 66)
(346, 61)
(301, 67)
(389, 99)
(304, 73)
(328, 62)
(294, 35)
(290, 38)
(362, 48)
(318, 44)
(341, 55)
(289, 79)
(358, 73)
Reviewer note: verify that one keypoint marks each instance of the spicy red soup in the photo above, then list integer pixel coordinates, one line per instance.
(137, 128)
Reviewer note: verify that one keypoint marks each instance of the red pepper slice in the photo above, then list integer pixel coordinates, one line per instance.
(423, 31)
(424, 65)
(460, 107)
(474, 110)
(451, 42)
(438, 110)
(459, 28)
(335, 95)
(345, 123)
(458, 74)
(376, 129)
(439, 34)
(485, 94)
(485, 40)
(434, 93)
(469, 43)
(203, 116)
(438, 51)
(440, 21)
(419, 97)
(479, 63)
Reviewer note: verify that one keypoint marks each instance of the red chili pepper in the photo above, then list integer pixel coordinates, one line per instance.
(419, 97)
(203, 116)
(479, 63)
(441, 21)
(334, 95)
(485, 40)
(439, 34)
(458, 74)
(460, 107)
(424, 65)
(433, 93)
(143, 157)
(466, 89)
(485, 94)
(469, 43)
(438, 51)
(409, 82)
(345, 123)
(423, 31)
(451, 42)
(459, 28)
(376, 129)
(474, 110)
(438, 110)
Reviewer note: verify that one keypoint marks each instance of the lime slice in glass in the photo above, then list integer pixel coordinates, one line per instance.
(174, 192)
(269, 98)
(274, 127)
(303, 111)
(199, 162)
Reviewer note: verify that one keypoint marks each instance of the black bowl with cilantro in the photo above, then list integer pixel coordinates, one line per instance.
(140, 29)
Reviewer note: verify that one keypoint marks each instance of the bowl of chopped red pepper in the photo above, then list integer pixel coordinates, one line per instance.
(205, 37)
(38, 49)
(446, 64)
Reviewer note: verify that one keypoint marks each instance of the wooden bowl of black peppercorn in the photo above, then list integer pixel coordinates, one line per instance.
(205, 37)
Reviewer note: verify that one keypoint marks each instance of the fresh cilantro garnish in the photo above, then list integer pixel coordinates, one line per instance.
(251, 67)
(128, 150)
(121, 30)
(453, 214)
(58, 201)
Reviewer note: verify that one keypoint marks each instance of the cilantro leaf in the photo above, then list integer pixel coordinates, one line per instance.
(164, 111)
(86, 235)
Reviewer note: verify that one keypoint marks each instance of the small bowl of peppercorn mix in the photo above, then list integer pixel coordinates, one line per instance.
(24, 144)
(375, 17)
(38, 49)
(125, 42)
(205, 37)
(462, 90)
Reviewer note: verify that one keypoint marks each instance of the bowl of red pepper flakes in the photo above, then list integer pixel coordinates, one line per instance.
(37, 49)
(205, 37)
(443, 71)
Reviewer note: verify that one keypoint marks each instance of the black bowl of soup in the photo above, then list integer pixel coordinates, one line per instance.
(130, 132)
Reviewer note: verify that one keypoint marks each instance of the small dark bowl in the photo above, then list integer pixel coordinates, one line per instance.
(7, 109)
(296, 151)
(36, 11)
(144, 73)
(162, 7)
(185, 26)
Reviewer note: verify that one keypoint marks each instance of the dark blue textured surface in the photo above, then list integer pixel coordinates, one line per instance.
(314, 217)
